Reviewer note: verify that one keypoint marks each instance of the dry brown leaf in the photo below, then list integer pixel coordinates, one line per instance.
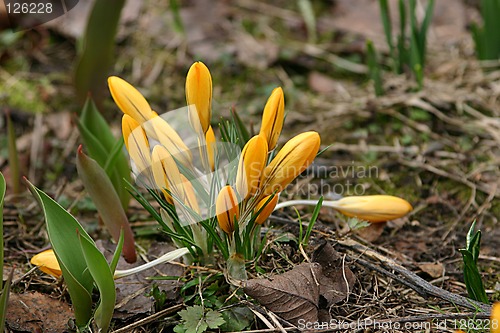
(293, 295)
(336, 280)
(435, 270)
(36, 312)
(372, 232)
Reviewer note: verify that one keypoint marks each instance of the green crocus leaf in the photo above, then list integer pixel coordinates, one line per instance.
(63, 230)
(107, 202)
(103, 277)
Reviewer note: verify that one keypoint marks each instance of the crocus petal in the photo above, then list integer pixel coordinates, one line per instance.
(495, 318)
(226, 208)
(211, 147)
(129, 99)
(252, 161)
(292, 159)
(161, 130)
(372, 208)
(199, 92)
(166, 173)
(137, 144)
(268, 208)
(47, 263)
(190, 199)
(273, 117)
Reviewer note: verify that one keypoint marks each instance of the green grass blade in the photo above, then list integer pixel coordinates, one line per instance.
(312, 221)
(176, 14)
(424, 29)
(240, 126)
(374, 68)
(103, 277)
(402, 49)
(307, 11)
(118, 251)
(385, 13)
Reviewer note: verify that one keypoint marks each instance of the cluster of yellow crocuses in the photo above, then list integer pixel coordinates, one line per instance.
(259, 178)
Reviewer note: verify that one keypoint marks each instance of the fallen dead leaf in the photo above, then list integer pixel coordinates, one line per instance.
(336, 280)
(435, 270)
(293, 295)
(372, 232)
(36, 312)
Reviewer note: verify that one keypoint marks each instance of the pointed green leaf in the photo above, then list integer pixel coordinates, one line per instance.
(62, 229)
(472, 278)
(103, 277)
(98, 49)
(107, 202)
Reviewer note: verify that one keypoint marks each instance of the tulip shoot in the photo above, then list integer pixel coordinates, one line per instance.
(107, 202)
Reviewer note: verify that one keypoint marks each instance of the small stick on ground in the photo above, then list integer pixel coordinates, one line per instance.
(410, 279)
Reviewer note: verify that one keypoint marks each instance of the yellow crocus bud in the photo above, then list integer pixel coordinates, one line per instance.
(227, 210)
(292, 159)
(372, 208)
(495, 318)
(136, 142)
(199, 93)
(273, 117)
(129, 99)
(211, 147)
(166, 173)
(47, 263)
(252, 161)
(268, 208)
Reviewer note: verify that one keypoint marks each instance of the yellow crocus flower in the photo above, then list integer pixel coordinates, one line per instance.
(495, 318)
(252, 161)
(199, 93)
(226, 209)
(137, 143)
(47, 263)
(372, 208)
(129, 99)
(268, 208)
(211, 147)
(292, 159)
(273, 117)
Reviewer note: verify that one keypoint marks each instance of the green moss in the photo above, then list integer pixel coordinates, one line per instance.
(24, 94)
